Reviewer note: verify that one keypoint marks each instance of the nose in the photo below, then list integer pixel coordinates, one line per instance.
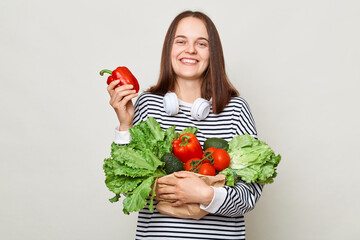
(191, 49)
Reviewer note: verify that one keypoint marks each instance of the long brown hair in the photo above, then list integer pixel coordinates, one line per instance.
(216, 84)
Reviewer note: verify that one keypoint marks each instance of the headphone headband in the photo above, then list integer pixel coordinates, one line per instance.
(199, 110)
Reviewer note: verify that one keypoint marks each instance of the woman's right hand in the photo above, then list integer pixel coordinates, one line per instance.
(121, 100)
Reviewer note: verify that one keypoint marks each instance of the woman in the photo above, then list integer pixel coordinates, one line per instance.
(193, 70)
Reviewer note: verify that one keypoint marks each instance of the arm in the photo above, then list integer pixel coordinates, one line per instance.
(140, 114)
(121, 100)
(237, 200)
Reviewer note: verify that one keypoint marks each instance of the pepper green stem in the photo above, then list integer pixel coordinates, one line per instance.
(105, 71)
(184, 140)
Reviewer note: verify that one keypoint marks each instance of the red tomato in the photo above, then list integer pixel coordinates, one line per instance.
(207, 152)
(210, 149)
(221, 159)
(207, 169)
(188, 167)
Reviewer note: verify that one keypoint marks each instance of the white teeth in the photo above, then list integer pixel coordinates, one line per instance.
(188, 61)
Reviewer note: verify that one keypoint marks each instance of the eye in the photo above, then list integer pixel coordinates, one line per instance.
(202, 44)
(179, 42)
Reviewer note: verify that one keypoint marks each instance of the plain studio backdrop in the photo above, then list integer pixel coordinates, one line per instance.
(295, 62)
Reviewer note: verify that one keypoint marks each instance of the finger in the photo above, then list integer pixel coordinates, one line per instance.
(124, 87)
(168, 189)
(110, 88)
(169, 197)
(124, 93)
(177, 204)
(167, 181)
(124, 90)
(119, 95)
(129, 97)
(183, 174)
(124, 104)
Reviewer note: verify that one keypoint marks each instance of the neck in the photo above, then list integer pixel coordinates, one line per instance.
(188, 91)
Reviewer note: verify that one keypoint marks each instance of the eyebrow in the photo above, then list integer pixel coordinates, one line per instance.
(183, 36)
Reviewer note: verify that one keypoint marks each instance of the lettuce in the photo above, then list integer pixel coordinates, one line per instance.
(133, 169)
(136, 200)
(230, 176)
(252, 160)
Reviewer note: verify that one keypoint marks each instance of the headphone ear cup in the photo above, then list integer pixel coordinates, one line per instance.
(171, 103)
(200, 109)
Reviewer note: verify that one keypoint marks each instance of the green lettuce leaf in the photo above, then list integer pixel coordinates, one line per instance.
(136, 159)
(161, 148)
(153, 194)
(247, 174)
(123, 170)
(122, 184)
(192, 130)
(115, 198)
(132, 168)
(170, 134)
(155, 129)
(140, 139)
(253, 160)
(136, 200)
(231, 176)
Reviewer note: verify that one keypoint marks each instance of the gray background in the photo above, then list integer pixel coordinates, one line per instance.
(295, 62)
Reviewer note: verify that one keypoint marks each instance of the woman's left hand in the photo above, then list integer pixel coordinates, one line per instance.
(185, 188)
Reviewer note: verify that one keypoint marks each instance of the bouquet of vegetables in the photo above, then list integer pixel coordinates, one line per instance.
(152, 153)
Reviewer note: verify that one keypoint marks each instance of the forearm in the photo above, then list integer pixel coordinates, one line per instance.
(239, 199)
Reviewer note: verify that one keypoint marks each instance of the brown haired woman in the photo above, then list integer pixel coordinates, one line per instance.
(192, 91)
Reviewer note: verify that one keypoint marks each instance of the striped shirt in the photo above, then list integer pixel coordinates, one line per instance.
(227, 222)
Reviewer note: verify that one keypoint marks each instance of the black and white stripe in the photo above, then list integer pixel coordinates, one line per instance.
(228, 221)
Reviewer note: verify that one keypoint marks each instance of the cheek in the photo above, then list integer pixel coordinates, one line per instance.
(176, 50)
(174, 55)
(206, 56)
(173, 61)
(207, 60)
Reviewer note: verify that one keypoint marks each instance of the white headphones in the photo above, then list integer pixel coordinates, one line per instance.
(199, 110)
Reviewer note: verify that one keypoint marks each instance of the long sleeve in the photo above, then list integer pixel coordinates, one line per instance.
(241, 198)
(121, 137)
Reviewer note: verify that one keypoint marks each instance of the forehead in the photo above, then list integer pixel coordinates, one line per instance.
(191, 27)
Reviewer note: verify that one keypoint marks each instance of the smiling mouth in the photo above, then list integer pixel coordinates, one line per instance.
(187, 60)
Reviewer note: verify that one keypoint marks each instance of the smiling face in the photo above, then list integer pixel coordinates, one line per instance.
(190, 49)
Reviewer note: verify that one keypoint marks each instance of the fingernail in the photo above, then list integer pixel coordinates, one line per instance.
(131, 86)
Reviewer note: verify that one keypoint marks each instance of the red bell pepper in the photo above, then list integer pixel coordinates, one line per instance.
(124, 75)
(187, 147)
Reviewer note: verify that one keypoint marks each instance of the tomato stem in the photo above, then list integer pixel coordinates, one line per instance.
(195, 163)
(208, 156)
